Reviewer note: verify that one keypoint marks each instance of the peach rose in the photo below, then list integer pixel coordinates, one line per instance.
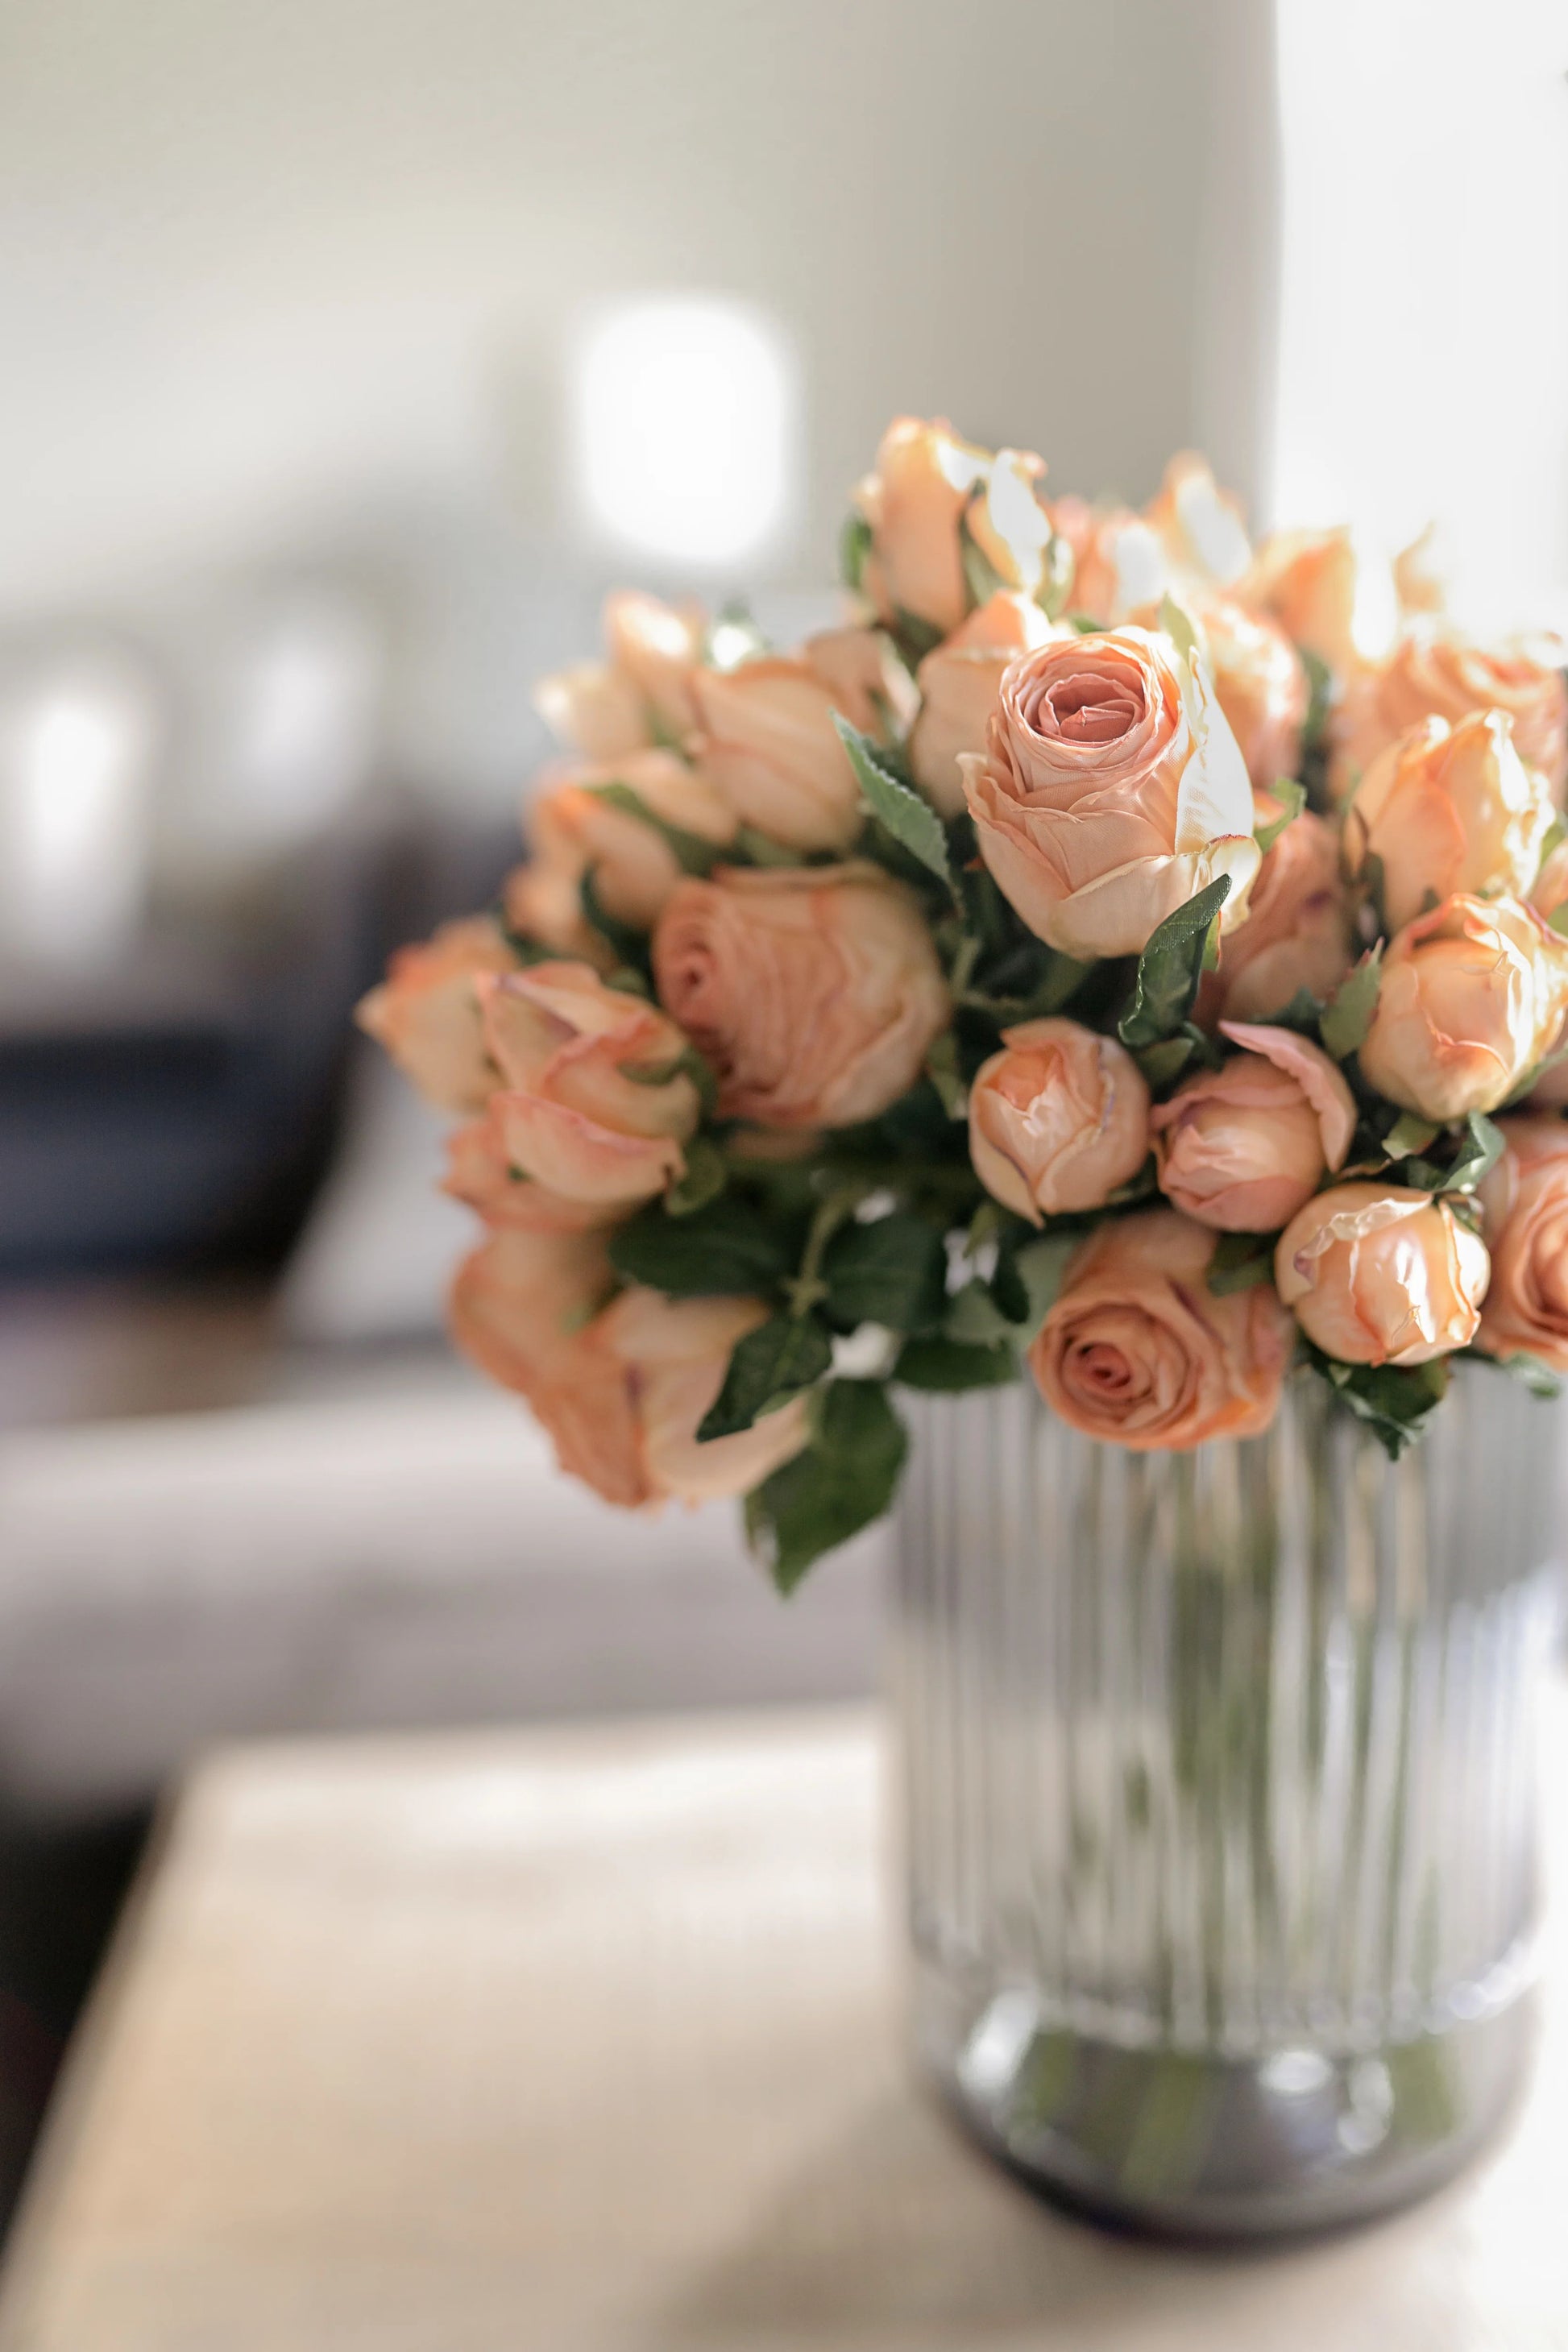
(575, 832)
(1110, 791)
(1449, 808)
(814, 992)
(1057, 1120)
(521, 1302)
(1298, 932)
(1473, 996)
(481, 1174)
(1260, 686)
(1379, 1275)
(425, 1013)
(927, 488)
(574, 1113)
(959, 681)
(1120, 562)
(1138, 1351)
(641, 695)
(1525, 1204)
(1550, 893)
(767, 745)
(1199, 525)
(1306, 580)
(1433, 672)
(1240, 1147)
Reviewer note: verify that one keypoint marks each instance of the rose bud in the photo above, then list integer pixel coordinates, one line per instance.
(1110, 791)
(767, 745)
(425, 1013)
(1120, 563)
(1433, 672)
(641, 696)
(1306, 580)
(1057, 1120)
(814, 992)
(576, 831)
(1473, 996)
(1299, 931)
(1379, 1275)
(1524, 1199)
(1448, 809)
(671, 1356)
(959, 681)
(1551, 892)
(1260, 686)
(544, 903)
(925, 484)
(481, 1174)
(1199, 525)
(591, 1101)
(1240, 1147)
(1137, 1350)
(521, 1302)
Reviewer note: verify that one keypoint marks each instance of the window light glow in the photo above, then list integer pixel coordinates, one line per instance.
(683, 413)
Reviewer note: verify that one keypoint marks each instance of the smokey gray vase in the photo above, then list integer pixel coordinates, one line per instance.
(1220, 1791)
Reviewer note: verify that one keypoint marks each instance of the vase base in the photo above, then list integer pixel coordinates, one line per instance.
(1183, 2144)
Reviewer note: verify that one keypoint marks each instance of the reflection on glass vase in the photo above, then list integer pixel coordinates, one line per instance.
(1220, 1797)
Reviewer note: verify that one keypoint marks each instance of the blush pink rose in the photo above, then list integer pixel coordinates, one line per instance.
(1306, 580)
(1473, 998)
(1299, 932)
(1260, 686)
(959, 681)
(1111, 792)
(425, 1013)
(1525, 1203)
(591, 1101)
(1199, 526)
(1433, 672)
(814, 992)
(1121, 566)
(521, 1302)
(766, 744)
(640, 695)
(1138, 1351)
(929, 491)
(1242, 1146)
(1446, 809)
(1057, 1120)
(1380, 1275)
(577, 831)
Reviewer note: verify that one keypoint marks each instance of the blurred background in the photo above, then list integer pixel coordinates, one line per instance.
(351, 349)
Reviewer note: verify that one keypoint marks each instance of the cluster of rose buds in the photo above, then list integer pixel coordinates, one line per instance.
(1086, 956)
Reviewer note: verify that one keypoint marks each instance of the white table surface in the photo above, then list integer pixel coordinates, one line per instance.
(589, 2039)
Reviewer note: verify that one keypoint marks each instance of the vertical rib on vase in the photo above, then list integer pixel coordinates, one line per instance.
(1220, 1787)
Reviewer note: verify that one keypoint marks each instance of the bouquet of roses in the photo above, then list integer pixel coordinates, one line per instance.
(1085, 961)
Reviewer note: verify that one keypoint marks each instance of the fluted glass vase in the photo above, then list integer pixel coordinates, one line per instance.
(1220, 1797)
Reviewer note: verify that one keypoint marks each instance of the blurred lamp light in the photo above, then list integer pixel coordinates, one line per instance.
(684, 424)
(74, 807)
(304, 712)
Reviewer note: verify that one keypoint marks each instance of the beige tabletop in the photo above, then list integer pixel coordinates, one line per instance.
(589, 2039)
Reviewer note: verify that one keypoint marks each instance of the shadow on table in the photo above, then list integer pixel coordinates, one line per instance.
(903, 2238)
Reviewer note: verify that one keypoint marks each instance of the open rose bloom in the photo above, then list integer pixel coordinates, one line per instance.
(1083, 963)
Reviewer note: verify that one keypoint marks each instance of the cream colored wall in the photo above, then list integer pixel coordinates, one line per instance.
(267, 271)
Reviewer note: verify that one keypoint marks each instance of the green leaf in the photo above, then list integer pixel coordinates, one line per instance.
(707, 1173)
(1393, 1401)
(758, 850)
(1347, 1016)
(1528, 1370)
(726, 1250)
(1407, 1134)
(691, 852)
(912, 822)
(1239, 1261)
(893, 1272)
(1042, 1265)
(1008, 1287)
(628, 945)
(1557, 921)
(915, 635)
(846, 1478)
(1177, 624)
(943, 1070)
(1085, 623)
(1162, 1063)
(973, 1316)
(1556, 834)
(1170, 968)
(1293, 799)
(1481, 1149)
(854, 547)
(953, 1364)
(689, 1064)
(766, 1367)
(981, 576)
